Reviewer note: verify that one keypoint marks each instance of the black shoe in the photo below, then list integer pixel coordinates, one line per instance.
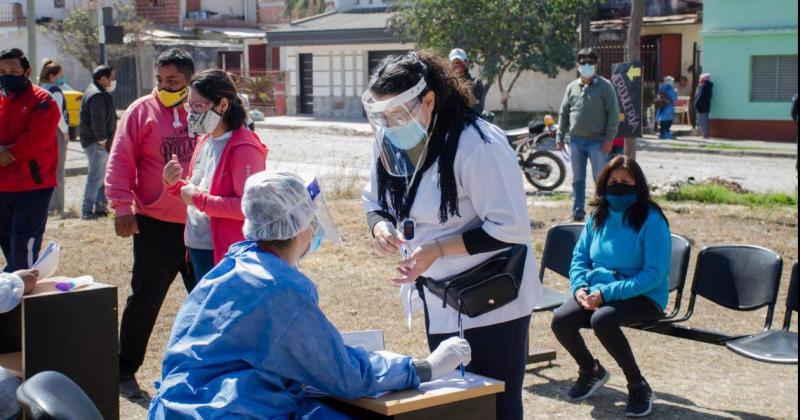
(640, 400)
(588, 382)
(101, 214)
(578, 218)
(129, 388)
(89, 216)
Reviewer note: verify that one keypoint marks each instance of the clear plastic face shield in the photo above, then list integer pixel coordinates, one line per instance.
(401, 139)
(322, 224)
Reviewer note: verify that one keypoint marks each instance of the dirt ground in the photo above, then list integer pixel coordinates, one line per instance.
(691, 380)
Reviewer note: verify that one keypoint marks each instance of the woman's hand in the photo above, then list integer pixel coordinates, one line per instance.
(419, 262)
(172, 171)
(29, 277)
(387, 240)
(583, 299)
(187, 191)
(594, 300)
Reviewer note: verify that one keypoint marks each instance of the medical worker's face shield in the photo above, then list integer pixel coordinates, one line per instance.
(322, 225)
(400, 134)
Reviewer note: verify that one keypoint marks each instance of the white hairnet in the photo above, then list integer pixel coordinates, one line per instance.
(276, 206)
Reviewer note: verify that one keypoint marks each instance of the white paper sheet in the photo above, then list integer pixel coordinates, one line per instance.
(47, 264)
(369, 340)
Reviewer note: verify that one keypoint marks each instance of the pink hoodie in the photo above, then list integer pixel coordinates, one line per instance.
(147, 136)
(243, 156)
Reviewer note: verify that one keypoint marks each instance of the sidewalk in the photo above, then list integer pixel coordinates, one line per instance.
(304, 122)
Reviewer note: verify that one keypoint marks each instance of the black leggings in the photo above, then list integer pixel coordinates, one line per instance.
(606, 323)
(499, 352)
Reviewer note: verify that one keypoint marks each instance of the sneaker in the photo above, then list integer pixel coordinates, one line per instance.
(588, 382)
(578, 218)
(101, 214)
(640, 400)
(129, 388)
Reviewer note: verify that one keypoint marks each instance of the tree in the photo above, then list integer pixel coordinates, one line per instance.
(76, 34)
(503, 37)
(633, 53)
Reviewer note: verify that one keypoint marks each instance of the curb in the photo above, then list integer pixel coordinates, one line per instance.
(732, 153)
(346, 131)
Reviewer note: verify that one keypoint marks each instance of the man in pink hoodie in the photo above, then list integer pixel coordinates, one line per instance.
(153, 129)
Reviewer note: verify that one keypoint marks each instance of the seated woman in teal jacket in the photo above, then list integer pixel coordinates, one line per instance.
(251, 334)
(619, 277)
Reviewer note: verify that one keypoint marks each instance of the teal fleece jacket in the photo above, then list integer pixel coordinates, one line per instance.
(622, 263)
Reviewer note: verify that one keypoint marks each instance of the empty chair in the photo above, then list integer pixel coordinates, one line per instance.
(737, 277)
(773, 346)
(53, 396)
(557, 256)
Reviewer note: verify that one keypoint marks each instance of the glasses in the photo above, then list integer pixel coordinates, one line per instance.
(198, 107)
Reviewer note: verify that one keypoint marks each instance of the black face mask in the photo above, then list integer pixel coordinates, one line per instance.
(10, 83)
(620, 189)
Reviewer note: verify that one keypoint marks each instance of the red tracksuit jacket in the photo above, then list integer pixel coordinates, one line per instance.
(28, 124)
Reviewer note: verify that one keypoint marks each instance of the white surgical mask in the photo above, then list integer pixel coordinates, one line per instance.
(112, 87)
(203, 123)
(586, 70)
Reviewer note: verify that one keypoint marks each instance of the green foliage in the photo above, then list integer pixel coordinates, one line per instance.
(76, 35)
(503, 37)
(717, 194)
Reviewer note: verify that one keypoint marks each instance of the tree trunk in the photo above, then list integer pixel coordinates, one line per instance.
(633, 53)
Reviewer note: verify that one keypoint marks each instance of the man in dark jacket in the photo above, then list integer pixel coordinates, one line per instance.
(460, 65)
(97, 127)
(702, 103)
(28, 159)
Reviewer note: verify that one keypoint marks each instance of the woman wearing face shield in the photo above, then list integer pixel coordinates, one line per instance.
(449, 179)
(251, 334)
(226, 154)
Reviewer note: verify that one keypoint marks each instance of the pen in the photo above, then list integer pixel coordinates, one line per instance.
(461, 336)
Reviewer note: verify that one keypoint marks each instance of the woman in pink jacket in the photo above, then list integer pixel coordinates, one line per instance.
(226, 154)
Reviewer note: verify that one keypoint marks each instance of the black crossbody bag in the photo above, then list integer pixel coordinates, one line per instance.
(485, 287)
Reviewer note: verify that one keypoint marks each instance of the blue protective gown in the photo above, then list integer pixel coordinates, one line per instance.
(247, 338)
(667, 113)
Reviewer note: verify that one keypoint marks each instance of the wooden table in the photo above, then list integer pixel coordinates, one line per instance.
(74, 333)
(451, 398)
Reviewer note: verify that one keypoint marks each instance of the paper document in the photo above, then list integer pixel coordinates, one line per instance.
(47, 264)
(369, 340)
(452, 382)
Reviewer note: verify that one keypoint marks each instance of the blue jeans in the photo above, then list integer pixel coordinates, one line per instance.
(202, 261)
(584, 149)
(94, 196)
(23, 217)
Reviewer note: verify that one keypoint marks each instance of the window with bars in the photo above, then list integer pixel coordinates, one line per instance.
(58, 4)
(773, 78)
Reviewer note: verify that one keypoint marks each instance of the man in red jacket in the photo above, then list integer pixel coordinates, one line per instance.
(28, 159)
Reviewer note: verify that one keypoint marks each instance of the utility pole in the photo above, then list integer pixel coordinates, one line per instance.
(30, 21)
(633, 53)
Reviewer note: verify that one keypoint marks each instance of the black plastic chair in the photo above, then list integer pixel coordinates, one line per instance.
(53, 396)
(737, 277)
(773, 346)
(557, 256)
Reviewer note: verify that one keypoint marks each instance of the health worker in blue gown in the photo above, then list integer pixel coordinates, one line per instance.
(251, 335)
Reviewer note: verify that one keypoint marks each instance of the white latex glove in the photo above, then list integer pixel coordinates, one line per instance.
(451, 353)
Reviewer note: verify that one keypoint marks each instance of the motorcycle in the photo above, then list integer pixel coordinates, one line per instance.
(542, 168)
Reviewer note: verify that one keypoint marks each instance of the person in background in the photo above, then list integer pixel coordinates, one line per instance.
(794, 111)
(271, 340)
(618, 277)
(12, 287)
(590, 116)
(29, 118)
(152, 130)
(226, 154)
(459, 64)
(702, 103)
(665, 114)
(52, 78)
(97, 127)
(617, 147)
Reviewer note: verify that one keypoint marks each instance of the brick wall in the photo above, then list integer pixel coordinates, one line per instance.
(753, 130)
(165, 12)
(193, 5)
(272, 11)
